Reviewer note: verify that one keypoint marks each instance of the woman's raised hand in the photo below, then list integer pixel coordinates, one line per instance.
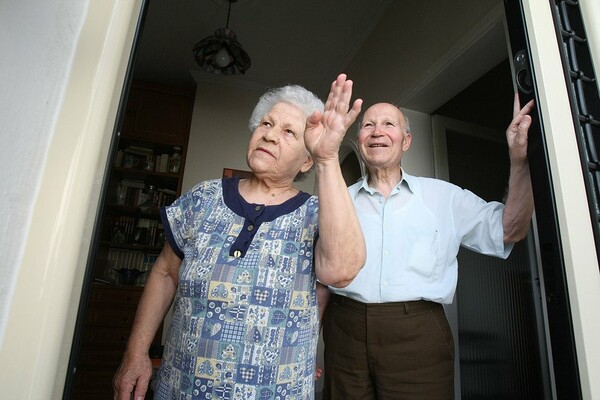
(325, 131)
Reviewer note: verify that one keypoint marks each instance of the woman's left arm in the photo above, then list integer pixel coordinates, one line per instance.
(340, 251)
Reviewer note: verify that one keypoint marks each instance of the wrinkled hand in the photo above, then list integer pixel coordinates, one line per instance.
(518, 131)
(325, 131)
(134, 373)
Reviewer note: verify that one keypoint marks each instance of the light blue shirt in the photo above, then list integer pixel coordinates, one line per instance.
(414, 235)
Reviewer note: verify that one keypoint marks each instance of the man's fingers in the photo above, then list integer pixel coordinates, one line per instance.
(528, 107)
(516, 105)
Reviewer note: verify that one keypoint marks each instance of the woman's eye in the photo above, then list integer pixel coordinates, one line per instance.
(266, 123)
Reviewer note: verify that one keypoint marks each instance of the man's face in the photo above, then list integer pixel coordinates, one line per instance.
(382, 139)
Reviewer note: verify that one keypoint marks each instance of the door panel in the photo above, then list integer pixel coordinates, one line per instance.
(499, 327)
(563, 357)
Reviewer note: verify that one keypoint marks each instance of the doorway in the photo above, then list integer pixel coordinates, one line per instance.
(497, 315)
(353, 163)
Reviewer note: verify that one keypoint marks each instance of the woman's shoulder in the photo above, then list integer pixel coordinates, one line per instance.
(202, 190)
(206, 185)
(312, 201)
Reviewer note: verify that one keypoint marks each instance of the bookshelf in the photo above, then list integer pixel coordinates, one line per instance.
(146, 174)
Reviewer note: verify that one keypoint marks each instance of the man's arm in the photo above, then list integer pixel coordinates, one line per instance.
(340, 251)
(519, 200)
(133, 376)
(322, 300)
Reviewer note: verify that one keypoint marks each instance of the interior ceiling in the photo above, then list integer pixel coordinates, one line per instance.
(309, 42)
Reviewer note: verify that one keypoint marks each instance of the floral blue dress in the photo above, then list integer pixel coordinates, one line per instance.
(245, 319)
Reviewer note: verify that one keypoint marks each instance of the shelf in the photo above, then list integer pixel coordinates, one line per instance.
(132, 246)
(134, 211)
(162, 180)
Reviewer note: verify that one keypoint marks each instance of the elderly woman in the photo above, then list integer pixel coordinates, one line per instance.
(242, 262)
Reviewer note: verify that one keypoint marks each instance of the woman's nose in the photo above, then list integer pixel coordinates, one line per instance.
(272, 135)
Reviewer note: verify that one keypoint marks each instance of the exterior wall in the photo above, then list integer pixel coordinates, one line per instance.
(574, 219)
(84, 47)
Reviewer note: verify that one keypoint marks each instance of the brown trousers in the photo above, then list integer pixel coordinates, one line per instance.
(399, 351)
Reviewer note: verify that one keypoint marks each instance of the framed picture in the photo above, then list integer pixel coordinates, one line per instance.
(230, 173)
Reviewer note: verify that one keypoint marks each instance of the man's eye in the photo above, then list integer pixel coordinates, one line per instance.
(367, 125)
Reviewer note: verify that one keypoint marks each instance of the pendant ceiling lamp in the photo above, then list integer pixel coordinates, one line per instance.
(221, 53)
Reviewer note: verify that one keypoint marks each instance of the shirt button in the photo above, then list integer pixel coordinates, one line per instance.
(250, 227)
(257, 208)
(385, 283)
(237, 254)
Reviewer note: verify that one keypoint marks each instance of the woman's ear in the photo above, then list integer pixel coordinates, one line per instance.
(307, 164)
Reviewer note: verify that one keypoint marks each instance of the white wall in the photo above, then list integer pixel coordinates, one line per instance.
(34, 71)
(418, 160)
(62, 72)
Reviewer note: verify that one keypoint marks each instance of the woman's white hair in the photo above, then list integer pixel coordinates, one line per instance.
(292, 94)
(295, 95)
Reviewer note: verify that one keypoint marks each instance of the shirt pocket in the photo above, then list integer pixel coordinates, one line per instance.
(421, 248)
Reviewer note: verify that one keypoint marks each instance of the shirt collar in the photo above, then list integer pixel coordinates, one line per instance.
(408, 180)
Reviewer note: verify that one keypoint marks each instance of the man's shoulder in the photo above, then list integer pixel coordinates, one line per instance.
(425, 180)
(428, 183)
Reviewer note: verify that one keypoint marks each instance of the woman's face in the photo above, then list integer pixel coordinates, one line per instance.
(276, 149)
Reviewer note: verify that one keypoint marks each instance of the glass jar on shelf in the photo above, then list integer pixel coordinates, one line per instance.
(150, 163)
(175, 160)
(149, 198)
(141, 234)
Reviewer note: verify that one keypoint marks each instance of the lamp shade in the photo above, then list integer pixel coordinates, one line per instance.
(221, 53)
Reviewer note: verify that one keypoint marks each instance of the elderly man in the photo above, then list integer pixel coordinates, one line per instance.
(386, 335)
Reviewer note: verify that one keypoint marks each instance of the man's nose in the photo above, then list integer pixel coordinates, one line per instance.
(377, 131)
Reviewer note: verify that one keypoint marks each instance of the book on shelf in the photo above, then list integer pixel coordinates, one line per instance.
(164, 163)
(136, 183)
(139, 150)
(119, 158)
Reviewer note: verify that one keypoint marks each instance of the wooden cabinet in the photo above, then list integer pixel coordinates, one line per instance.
(146, 174)
(111, 310)
(157, 113)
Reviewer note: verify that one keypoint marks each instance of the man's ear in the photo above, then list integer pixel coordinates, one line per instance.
(407, 140)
